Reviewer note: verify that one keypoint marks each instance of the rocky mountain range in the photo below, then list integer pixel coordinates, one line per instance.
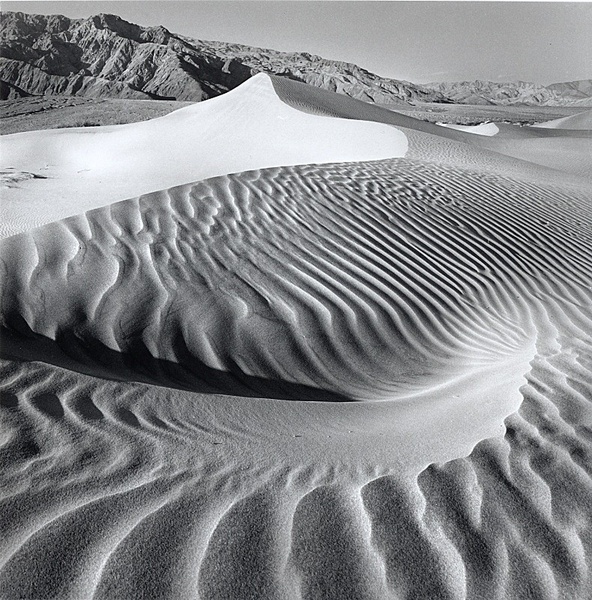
(106, 56)
(520, 92)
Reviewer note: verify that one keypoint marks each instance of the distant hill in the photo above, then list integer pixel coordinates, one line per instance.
(580, 91)
(106, 57)
(520, 92)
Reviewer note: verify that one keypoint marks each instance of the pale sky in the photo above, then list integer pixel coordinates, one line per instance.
(544, 42)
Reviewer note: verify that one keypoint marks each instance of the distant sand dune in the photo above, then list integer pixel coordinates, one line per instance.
(49, 175)
(566, 150)
(581, 121)
(440, 303)
(487, 129)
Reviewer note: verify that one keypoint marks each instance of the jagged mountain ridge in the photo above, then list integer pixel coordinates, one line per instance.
(106, 56)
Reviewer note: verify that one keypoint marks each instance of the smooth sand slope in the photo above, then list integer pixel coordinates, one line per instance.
(570, 151)
(52, 174)
(365, 380)
(580, 121)
(563, 144)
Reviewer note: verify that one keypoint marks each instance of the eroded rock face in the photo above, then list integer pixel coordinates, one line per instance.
(107, 56)
(99, 56)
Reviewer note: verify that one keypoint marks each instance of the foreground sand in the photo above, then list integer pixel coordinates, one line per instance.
(365, 379)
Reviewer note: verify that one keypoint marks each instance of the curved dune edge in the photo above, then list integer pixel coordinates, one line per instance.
(49, 175)
(373, 281)
(338, 278)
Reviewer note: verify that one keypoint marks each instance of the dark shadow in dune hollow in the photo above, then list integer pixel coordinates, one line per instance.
(91, 357)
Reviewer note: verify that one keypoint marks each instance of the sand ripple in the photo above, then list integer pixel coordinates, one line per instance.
(369, 280)
(157, 499)
(387, 280)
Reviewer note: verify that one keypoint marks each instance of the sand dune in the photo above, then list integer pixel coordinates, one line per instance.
(52, 174)
(568, 151)
(562, 149)
(487, 129)
(320, 290)
(365, 379)
(582, 121)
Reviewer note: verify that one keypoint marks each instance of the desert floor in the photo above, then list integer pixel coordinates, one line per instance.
(283, 344)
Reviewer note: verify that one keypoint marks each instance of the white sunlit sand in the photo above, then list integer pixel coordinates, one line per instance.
(54, 174)
(487, 129)
(344, 354)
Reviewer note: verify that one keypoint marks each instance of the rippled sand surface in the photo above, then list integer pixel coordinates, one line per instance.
(362, 379)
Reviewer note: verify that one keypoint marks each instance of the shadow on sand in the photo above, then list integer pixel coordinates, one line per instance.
(91, 357)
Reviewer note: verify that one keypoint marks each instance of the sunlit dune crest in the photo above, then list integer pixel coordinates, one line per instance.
(49, 175)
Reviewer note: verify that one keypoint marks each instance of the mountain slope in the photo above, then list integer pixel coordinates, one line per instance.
(107, 56)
